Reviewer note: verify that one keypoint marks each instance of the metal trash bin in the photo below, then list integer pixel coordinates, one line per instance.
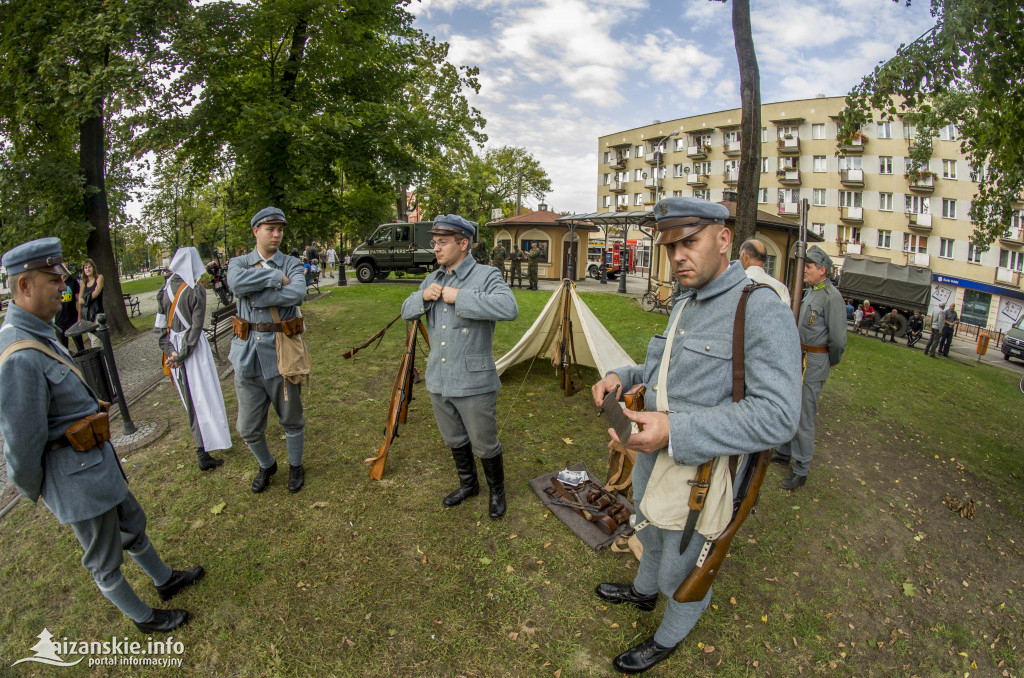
(90, 361)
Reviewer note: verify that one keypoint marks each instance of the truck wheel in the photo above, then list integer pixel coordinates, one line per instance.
(365, 273)
(594, 272)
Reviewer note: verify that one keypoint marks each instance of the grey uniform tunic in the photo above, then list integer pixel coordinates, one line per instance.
(822, 323)
(87, 490)
(258, 383)
(461, 377)
(191, 304)
(704, 421)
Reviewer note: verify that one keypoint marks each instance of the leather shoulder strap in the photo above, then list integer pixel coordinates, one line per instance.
(22, 344)
(739, 374)
(170, 313)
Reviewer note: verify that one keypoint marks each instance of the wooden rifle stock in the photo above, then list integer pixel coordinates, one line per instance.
(697, 583)
(401, 396)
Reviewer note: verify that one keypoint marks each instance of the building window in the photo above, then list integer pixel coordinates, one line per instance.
(638, 175)
(764, 134)
(607, 179)
(677, 170)
(702, 167)
(909, 131)
(818, 197)
(849, 234)
(764, 165)
(885, 239)
(850, 198)
(622, 200)
(638, 152)
(1017, 219)
(977, 175)
(680, 145)
(848, 162)
(625, 153)
(949, 208)
(885, 164)
(762, 195)
(638, 198)
(948, 133)
(973, 253)
(542, 245)
(818, 130)
(820, 163)
(732, 136)
(789, 132)
(885, 202)
(946, 248)
(704, 194)
(818, 229)
(677, 194)
(885, 130)
(1011, 259)
(916, 204)
(949, 169)
(606, 201)
(607, 156)
(915, 243)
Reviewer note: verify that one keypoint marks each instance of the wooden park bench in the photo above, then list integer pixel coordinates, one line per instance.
(220, 324)
(132, 304)
(313, 282)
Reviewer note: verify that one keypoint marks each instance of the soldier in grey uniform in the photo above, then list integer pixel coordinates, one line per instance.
(43, 395)
(498, 257)
(689, 369)
(822, 339)
(279, 281)
(461, 300)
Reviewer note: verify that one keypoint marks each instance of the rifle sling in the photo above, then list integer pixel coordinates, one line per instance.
(699, 485)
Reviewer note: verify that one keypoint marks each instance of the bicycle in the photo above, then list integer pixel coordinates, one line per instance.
(659, 297)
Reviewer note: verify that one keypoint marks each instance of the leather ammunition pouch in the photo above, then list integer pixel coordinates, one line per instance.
(293, 326)
(240, 327)
(89, 432)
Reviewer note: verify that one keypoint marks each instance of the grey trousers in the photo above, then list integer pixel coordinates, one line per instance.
(801, 447)
(190, 409)
(255, 395)
(933, 342)
(663, 569)
(104, 537)
(469, 419)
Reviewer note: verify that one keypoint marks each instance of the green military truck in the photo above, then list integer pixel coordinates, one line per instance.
(401, 247)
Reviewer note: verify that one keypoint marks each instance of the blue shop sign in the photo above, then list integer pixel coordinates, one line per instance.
(981, 287)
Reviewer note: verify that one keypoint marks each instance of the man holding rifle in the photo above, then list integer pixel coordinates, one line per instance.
(688, 374)
(460, 302)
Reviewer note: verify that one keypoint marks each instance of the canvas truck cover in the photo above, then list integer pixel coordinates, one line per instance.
(886, 283)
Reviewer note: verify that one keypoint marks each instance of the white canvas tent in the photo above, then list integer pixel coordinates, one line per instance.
(594, 345)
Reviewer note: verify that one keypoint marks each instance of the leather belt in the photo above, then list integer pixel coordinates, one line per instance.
(814, 349)
(58, 444)
(266, 327)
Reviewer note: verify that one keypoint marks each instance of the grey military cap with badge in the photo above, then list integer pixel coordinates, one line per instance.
(268, 215)
(453, 224)
(43, 254)
(677, 218)
(817, 256)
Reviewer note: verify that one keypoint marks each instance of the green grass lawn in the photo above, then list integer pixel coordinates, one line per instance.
(863, 572)
(139, 285)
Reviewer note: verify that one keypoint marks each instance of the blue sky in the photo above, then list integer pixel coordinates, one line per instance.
(557, 74)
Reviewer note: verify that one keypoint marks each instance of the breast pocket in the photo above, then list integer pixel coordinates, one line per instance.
(655, 350)
(701, 371)
(66, 389)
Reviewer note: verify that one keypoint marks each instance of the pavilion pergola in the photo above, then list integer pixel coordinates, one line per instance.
(622, 219)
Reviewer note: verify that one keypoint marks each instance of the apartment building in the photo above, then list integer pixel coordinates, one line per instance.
(869, 201)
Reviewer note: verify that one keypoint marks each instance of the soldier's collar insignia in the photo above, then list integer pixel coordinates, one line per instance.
(819, 286)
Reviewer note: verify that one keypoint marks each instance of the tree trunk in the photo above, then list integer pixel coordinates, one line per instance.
(401, 202)
(91, 162)
(750, 127)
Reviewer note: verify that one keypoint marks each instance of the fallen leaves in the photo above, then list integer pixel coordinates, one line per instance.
(219, 508)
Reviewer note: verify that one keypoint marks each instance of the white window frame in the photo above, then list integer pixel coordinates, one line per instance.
(638, 199)
(949, 169)
(607, 157)
(764, 135)
(638, 174)
(680, 144)
(885, 130)
(916, 204)
(816, 194)
(762, 195)
(851, 198)
(638, 151)
(884, 239)
(912, 242)
(849, 233)
(949, 208)
(949, 133)
(764, 165)
(606, 201)
(703, 193)
(885, 164)
(677, 170)
(946, 248)
(974, 253)
(818, 130)
(885, 202)
(854, 162)
(820, 163)
(1011, 259)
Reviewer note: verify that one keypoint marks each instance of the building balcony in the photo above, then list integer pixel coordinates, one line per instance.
(697, 152)
(652, 182)
(922, 183)
(921, 222)
(731, 176)
(617, 163)
(1013, 236)
(653, 158)
(851, 177)
(731, 148)
(789, 209)
(852, 215)
(1007, 277)
(697, 180)
(789, 146)
(855, 145)
(617, 187)
(788, 177)
(918, 258)
(847, 247)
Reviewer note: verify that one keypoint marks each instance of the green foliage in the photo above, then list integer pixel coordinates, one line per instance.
(965, 71)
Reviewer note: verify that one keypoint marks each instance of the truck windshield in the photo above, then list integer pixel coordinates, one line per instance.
(380, 236)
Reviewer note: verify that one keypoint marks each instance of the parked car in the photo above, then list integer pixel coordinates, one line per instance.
(1013, 342)
(402, 247)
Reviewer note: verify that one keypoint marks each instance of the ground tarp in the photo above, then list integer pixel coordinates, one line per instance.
(886, 283)
(595, 346)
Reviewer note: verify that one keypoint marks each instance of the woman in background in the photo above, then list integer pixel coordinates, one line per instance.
(90, 301)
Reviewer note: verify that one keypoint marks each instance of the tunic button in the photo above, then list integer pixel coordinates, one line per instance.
(655, 387)
(443, 343)
(444, 360)
(445, 310)
(707, 348)
(682, 331)
(444, 327)
(82, 464)
(458, 313)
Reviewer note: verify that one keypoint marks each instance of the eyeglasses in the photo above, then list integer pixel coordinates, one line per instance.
(441, 243)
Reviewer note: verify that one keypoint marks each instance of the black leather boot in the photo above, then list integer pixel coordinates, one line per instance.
(179, 580)
(625, 593)
(494, 472)
(465, 466)
(262, 479)
(639, 658)
(163, 621)
(206, 462)
(296, 478)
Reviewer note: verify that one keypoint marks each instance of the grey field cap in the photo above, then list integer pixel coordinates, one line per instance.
(42, 254)
(453, 224)
(817, 255)
(268, 214)
(678, 217)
